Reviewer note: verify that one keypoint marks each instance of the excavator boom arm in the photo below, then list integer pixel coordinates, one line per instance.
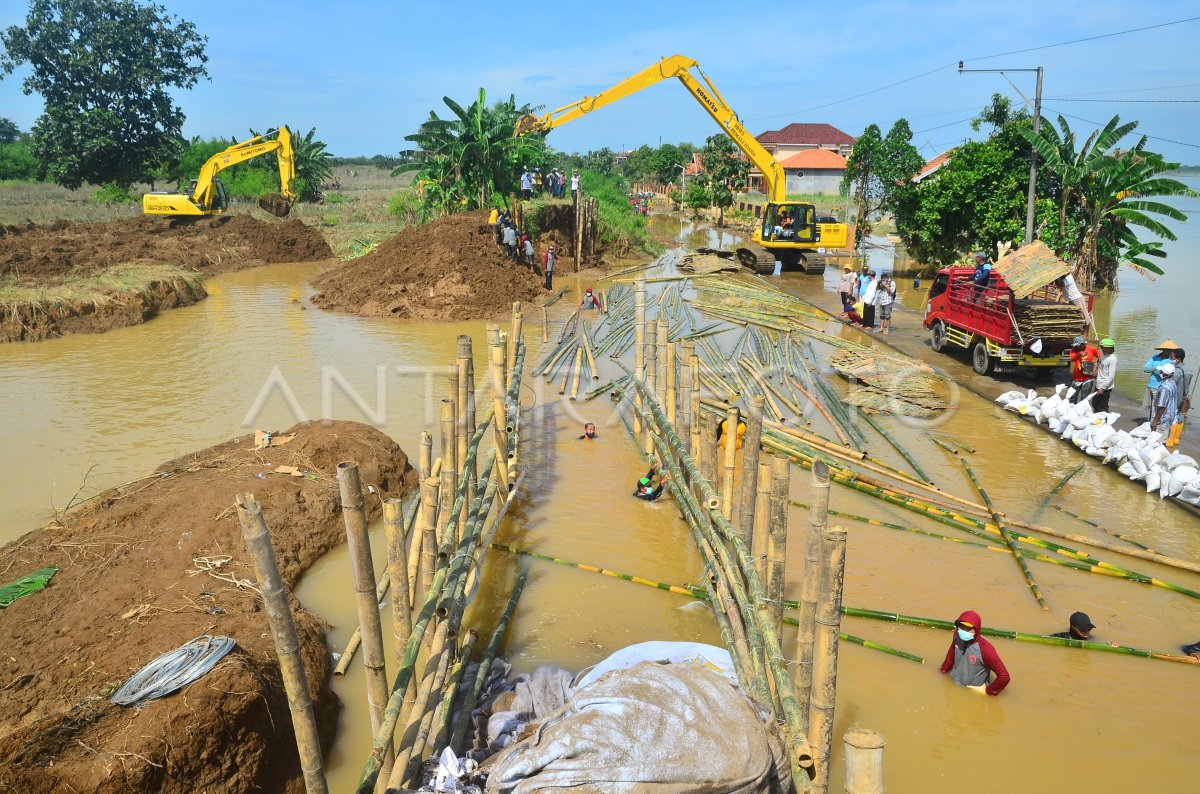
(710, 99)
(246, 150)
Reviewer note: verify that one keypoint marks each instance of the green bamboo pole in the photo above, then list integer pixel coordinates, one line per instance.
(916, 467)
(1008, 541)
(1054, 491)
(1091, 523)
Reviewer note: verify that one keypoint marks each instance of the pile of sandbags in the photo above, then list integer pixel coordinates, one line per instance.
(1139, 454)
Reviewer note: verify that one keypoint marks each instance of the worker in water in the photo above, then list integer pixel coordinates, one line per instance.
(589, 431)
(590, 301)
(1191, 650)
(971, 660)
(723, 426)
(646, 489)
(1080, 628)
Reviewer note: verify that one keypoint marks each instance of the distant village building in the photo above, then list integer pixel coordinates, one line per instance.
(620, 157)
(812, 155)
(695, 167)
(933, 166)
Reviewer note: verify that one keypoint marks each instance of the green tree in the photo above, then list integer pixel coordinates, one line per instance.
(976, 200)
(879, 173)
(17, 163)
(726, 171)
(462, 161)
(998, 114)
(105, 69)
(1103, 194)
(9, 131)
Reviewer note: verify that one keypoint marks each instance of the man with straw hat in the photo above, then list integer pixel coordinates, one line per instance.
(1162, 355)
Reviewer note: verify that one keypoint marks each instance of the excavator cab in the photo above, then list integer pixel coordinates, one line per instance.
(790, 222)
(220, 199)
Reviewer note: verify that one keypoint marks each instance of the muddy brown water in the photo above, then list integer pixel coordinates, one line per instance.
(135, 397)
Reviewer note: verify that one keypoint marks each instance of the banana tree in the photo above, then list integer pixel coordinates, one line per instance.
(1103, 194)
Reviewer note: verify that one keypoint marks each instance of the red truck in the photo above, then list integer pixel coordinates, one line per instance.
(1002, 332)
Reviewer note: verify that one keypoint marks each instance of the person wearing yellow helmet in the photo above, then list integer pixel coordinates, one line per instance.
(1106, 374)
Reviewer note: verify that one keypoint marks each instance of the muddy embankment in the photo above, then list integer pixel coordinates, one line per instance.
(146, 567)
(446, 270)
(62, 278)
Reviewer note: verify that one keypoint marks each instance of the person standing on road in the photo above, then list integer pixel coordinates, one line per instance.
(1106, 375)
(526, 184)
(1085, 360)
(885, 296)
(548, 262)
(575, 185)
(529, 253)
(848, 284)
(869, 292)
(971, 659)
(1183, 392)
(1162, 354)
(1166, 402)
(864, 278)
(510, 241)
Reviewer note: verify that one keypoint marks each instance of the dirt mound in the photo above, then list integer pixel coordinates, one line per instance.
(47, 254)
(445, 270)
(141, 574)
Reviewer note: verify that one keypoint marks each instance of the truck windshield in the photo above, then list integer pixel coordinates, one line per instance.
(939, 285)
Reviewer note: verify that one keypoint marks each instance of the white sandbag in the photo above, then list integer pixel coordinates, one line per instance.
(1152, 480)
(1164, 483)
(1118, 439)
(1080, 422)
(1115, 455)
(651, 727)
(1102, 434)
(1181, 476)
(1095, 452)
(1139, 467)
(1128, 470)
(1176, 459)
(1068, 432)
(1054, 424)
(1009, 396)
(1141, 431)
(1153, 454)
(1190, 492)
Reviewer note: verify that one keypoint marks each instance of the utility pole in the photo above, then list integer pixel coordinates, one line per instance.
(1037, 118)
(682, 182)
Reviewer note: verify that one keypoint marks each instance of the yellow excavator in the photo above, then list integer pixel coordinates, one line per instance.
(206, 194)
(788, 230)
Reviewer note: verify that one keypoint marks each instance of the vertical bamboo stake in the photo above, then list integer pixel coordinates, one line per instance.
(397, 571)
(449, 464)
(427, 527)
(287, 643)
(762, 513)
(545, 327)
(359, 543)
(687, 385)
(425, 464)
(818, 520)
(651, 381)
(499, 413)
(465, 425)
(864, 761)
(639, 348)
(825, 654)
(518, 322)
(662, 331)
(670, 389)
(578, 230)
(729, 438)
(781, 479)
(746, 506)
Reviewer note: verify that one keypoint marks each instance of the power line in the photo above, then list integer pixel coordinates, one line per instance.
(1134, 90)
(1088, 38)
(941, 126)
(1130, 101)
(1101, 124)
(856, 96)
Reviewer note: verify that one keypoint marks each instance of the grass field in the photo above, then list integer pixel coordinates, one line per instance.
(95, 287)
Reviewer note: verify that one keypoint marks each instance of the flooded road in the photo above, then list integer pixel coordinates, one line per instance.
(129, 399)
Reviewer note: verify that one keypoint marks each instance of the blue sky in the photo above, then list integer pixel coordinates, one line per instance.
(367, 73)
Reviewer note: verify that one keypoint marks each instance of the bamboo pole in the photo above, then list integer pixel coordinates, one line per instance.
(591, 358)
(449, 462)
(562, 385)
(359, 543)
(818, 521)
(355, 640)
(661, 332)
(687, 386)
(729, 439)
(696, 435)
(761, 531)
(466, 410)
(518, 322)
(1106, 531)
(397, 571)
(864, 761)
(410, 743)
(287, 643)
(651, 381)
(427, 526)
(823, 698)
(1054, 491)
(578, 368)
(579, 231)
(750, 455)
(499, 412)
(425, 461)
(781, 470)
(670, 390)
(1008, 541)
(916, 467)
(545, 326)
(445, 709)
(462, 719)
(639, 348)
(1152, 556)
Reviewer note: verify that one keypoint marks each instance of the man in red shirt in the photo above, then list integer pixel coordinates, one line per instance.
(1085, 360)
(971, 660)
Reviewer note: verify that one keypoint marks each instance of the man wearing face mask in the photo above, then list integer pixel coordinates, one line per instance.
(971, 659)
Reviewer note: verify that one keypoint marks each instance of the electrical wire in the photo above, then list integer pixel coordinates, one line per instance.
(173, 670)
(1088, 38)
(1101, 124)
(1129, 101)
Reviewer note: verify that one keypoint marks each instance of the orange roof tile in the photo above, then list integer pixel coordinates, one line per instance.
(815, 158)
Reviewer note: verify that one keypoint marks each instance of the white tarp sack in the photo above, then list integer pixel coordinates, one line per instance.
(667, 729)
(664, 653)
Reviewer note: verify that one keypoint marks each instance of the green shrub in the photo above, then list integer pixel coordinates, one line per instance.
(335, 198)
(17, 162)
(619, 227)
(112, 193)
(406, 205)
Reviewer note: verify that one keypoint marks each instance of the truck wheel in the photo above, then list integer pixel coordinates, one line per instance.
(981, 362)
(938, 342)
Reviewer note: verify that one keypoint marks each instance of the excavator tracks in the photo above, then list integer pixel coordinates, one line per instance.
(757, 258)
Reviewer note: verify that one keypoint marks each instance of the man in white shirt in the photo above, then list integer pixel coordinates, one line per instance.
(1069, 291)
(868, 299)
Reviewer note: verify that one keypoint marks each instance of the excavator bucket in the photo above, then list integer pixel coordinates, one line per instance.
(276, 204)
(525, 124)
